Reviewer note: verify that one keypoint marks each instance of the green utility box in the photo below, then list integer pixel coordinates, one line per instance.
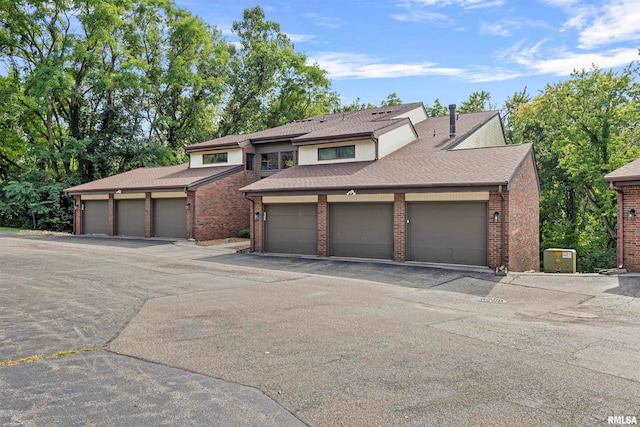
(559, 260)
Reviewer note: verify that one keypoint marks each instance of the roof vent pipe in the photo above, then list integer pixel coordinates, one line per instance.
(452, 120)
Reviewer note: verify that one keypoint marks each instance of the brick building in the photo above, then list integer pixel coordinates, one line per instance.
(395, 184)
(386, 183)
(626, 182)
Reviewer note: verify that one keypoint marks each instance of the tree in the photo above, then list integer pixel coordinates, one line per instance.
(511, 104)
(269, 83)
(392, 99)
(477, 102)
(437, 109)
(582, 128)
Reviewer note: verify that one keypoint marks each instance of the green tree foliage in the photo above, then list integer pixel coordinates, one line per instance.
(477, 102)
(582, 129)
(269, 83)
(437, 109)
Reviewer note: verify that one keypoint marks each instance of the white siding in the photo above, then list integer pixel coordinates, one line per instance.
(489, 135)
(168, 195)
(129, 196)
(395, 139)
(343, 198)
(365, 151)
(289, 199)
(416, 115)
(94, 197)
(447, 197)
(234, 157)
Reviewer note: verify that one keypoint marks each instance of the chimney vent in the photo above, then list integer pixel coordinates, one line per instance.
(452, 120)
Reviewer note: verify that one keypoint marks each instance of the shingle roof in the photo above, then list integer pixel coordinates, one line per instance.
(164, 177)
(329, 124)
(422, 163)
(628, 172)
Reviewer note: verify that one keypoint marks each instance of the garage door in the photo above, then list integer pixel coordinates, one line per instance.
(130, 217)
(170, 217)
(291, 229)
(361, 230)
(454, 233)
(95, 217)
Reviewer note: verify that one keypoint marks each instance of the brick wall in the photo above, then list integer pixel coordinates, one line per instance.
(220, 209)
(77, 215)
(323, 219)
(148, 220)
(524, 221)
(112, 215)
(191, 197)
(257, 225)
(631, 235)
(399, 227)
(494, 230)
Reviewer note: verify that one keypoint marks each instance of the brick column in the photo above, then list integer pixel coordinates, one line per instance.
(77, 214)
(323, 214)
(147, 215)
(399, 227)
(112, 215)
(497, 240)
(191, 206)
(257, 224)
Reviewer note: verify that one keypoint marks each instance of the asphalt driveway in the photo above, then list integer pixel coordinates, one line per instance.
(181, 335)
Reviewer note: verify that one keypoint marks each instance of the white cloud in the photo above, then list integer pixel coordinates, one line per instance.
(324, 21)
(358, 66)
(300, 38)
(563, 62)
(618, 21)
(496, 29)
(424, 10)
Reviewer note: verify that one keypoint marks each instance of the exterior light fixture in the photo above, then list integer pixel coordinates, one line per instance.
(496, 217)
(351, 193)
(256, 216)
(632, 213)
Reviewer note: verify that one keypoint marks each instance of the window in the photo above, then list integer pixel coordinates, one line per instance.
(209, 159)
(277, 161)
(269, 161)
(332, 153)
(286, 159)
(249, 161)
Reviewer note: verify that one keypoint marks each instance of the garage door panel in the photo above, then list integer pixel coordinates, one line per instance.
(454, 233)
(292, 229)
(170, 217)
(130, 217)
(95, 217)
(361, 230)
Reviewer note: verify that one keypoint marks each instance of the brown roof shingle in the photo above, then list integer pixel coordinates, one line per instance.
(628, 172)
(156, 178)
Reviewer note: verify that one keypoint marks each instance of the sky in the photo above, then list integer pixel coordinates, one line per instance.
(446, 49)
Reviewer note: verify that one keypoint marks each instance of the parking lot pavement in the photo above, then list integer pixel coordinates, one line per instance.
(415, 346)
(104, 389)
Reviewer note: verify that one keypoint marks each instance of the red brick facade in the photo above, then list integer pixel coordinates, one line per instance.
(399, 227)
(523, 217)
(495, 239)
(323, 219)
(220, 209)
(629, 228)
(257, 213)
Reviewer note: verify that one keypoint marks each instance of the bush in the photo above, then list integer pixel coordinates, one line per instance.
(596, 259)
(246, 233)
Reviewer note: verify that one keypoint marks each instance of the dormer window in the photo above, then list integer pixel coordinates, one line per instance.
(333, 153)
(215, 158)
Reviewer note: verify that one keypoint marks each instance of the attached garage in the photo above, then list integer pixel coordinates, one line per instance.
(291, 228)
(361, 230)
(95, 216)
(452, 233)
(130, 217)
(170, 217)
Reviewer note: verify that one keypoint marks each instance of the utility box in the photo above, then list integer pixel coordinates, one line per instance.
(559, 260)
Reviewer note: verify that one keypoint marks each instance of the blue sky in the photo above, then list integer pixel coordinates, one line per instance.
(446, 49)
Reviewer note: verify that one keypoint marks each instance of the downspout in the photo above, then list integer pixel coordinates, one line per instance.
(620, 237)
(502, 231)
(253, 211)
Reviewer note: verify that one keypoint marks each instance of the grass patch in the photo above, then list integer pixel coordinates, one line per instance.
(10, 229)
(53, 356)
